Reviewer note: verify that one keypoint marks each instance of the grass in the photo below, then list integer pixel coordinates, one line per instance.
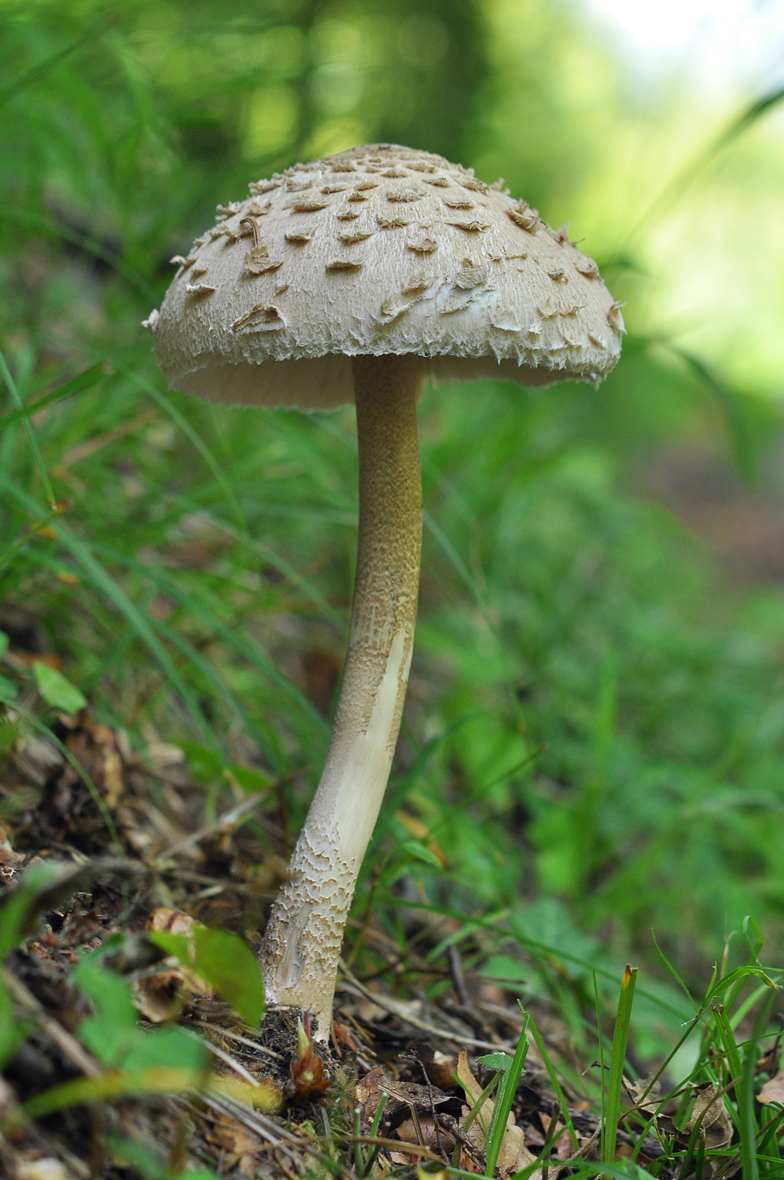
(594, 732)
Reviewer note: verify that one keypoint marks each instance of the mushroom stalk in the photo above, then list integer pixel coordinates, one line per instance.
(304, 935)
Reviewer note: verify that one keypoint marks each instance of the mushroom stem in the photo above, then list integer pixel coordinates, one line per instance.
(304, 935)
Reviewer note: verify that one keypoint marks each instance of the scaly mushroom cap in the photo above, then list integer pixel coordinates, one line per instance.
(380, 249)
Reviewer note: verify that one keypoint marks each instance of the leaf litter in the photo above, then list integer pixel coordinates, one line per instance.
(137, 1044)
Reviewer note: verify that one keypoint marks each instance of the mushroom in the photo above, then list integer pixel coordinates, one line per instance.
(356, 278)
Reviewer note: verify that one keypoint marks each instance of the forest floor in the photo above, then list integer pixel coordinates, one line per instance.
(400, 1073)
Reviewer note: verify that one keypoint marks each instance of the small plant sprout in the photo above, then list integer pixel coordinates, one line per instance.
(370, 272)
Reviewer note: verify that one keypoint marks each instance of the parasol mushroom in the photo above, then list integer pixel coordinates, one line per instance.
(356, 278)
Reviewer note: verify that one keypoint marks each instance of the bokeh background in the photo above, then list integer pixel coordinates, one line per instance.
(593, 744)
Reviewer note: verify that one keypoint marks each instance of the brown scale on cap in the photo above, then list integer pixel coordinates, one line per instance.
(354, 237)
(389, 205)
(344, 264)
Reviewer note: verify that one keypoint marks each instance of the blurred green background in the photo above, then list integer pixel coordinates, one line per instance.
(594, 733)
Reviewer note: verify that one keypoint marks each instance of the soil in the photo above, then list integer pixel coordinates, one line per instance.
(139, 851)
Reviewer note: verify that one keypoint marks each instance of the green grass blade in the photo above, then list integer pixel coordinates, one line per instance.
(34, 528)
(76, 385)
(241, 643)
(505, 1098)
(55, 228)
(104, 582)
(545, 1056)
(673, 972)
(193, 437)
(617, 1059)
(117, 596)
(208, 672)
(42, 68)
(39, 462)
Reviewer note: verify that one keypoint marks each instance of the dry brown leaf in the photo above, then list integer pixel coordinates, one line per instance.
(514, 1154)
(773, 1090)
(160, 996)
(715, 1124)
(165, 919)
(238, 1146)
(231, 1136)
(436, 1139)
(368, 1093)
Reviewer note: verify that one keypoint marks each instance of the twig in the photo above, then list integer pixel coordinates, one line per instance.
(227, 1059)
(230, 886)
(458, 979)
(398, 1010)
(53, 1029)
(396, 1145)
(232, 1036)
(221, 824)
(452, 1127)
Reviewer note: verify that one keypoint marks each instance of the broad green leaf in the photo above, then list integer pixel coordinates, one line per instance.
(500, 1061)
(57, 690)
(110, 1034)
(8, 689)
(250, 779)
(113, 1033)
(204, 763)
(3, 644)
(507, 967)
(113, 1083)
(222, 960)
(178, 945)
(230, 966)
(162, 1047)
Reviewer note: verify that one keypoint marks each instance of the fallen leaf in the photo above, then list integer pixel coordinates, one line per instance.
(773, 1090)
(368, 1093)
(715, 1123)
(160, 997)
(514, 1155)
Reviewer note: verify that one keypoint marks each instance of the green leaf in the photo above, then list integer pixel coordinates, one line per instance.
(223, 961)
(251, 780)
(507, 967)
(617, 1062)
(75, 385)
(172, 1047)
(506, 1092)
(8, 689)
(111, 1033)
(178, 945)
(56, 690)
(3, 644)
(230, 966)
(204, 763)
(500, 1061)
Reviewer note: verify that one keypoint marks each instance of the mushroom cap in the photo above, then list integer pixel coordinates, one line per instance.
(380, 249)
